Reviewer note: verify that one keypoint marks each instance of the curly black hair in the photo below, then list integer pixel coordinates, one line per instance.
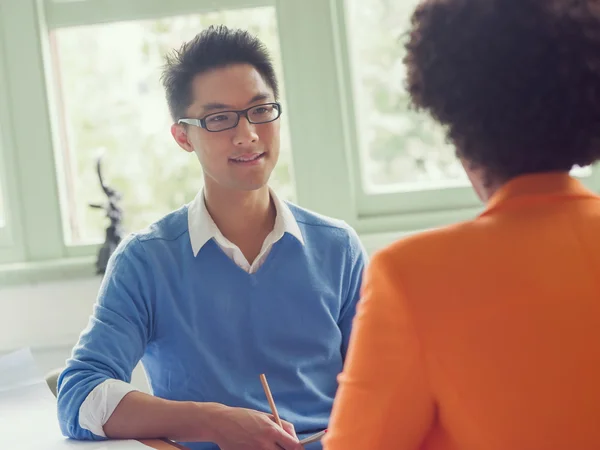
(516, 83)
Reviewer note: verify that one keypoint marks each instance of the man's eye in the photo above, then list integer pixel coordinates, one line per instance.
(218, 118)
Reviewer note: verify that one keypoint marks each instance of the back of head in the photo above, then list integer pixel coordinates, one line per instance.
(516, 82)
(214, 48)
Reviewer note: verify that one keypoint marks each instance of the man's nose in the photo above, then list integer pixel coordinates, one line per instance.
(245, 133)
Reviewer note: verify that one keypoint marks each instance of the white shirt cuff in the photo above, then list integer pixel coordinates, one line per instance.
(101, 403)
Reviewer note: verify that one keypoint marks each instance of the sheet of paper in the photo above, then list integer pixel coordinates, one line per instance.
(28, 418)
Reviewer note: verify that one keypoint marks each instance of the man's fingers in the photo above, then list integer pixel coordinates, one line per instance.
(289, 428)
(292, 446)
(281, 447)
(286, 441)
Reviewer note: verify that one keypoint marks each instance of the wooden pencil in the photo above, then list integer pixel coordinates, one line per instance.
(263, 380)
(314, 438)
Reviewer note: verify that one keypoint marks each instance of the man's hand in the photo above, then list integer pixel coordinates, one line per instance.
(246, 429)
(143, 416)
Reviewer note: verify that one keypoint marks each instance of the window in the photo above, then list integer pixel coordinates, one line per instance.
(111, 103)
(400, 150)
(408, 172)
(406, 176)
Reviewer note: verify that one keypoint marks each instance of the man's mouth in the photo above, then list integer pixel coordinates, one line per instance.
(248, 158)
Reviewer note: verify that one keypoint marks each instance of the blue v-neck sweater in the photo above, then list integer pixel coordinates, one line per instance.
(205, 329)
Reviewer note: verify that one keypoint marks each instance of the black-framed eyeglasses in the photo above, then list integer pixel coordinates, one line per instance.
(225, 120)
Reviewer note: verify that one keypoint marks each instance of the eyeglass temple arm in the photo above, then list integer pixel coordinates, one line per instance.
(196, 122)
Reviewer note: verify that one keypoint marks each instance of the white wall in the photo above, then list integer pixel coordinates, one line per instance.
(46, 315)
(48, 318)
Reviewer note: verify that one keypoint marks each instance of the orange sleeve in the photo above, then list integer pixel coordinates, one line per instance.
(383, 400)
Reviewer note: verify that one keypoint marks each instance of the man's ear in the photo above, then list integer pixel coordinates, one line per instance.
(179, 133)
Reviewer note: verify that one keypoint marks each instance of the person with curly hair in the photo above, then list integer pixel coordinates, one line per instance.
(485, 335)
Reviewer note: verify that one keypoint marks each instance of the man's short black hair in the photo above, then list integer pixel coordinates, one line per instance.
(515, 82)
(215, 47)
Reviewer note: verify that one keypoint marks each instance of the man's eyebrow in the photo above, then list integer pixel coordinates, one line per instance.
(222, 106)
(215, 106)
(259, 97)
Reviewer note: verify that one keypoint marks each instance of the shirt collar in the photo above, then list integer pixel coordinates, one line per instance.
(202, 227)
(542, 185)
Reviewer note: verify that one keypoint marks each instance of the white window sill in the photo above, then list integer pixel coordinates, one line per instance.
(45, 271)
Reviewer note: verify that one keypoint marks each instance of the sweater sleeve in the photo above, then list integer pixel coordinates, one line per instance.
(357, 260)
(114, 340)
(384, 400)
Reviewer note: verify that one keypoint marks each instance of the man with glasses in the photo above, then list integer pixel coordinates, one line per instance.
(225, 120)
(233, 285)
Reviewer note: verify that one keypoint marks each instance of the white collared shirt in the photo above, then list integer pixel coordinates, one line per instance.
(102, 401)
(202, 229)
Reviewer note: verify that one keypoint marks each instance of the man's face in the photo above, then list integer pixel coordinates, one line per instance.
(240, 158)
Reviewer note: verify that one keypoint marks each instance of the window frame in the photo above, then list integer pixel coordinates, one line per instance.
(6, 238)
(10, 237)
(27, 162)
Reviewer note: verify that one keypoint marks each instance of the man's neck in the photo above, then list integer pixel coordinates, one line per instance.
(243, 217)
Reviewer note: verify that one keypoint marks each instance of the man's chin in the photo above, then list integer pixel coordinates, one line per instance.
(255, 187)
(253, 183)
(249, 185)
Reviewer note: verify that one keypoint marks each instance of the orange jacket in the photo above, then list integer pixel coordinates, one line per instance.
(484, 335)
